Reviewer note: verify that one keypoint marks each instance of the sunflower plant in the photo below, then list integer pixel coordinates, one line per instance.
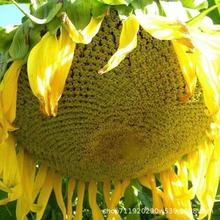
(110, 109)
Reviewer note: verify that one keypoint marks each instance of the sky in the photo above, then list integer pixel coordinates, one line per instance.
(9, 14)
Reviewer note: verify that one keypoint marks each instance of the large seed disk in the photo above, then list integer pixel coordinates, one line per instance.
(118, 125)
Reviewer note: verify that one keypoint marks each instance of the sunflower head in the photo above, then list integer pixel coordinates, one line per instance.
(105, 92)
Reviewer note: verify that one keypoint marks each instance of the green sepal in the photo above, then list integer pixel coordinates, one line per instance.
(54, 25)
(20, 44)
(35, 35)
(6, 37)
(4, 60)
(123, 10)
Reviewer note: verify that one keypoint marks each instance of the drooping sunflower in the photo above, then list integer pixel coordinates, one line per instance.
(97, 93)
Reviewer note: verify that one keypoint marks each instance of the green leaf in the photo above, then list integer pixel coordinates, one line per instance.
(141, 4)
(159, 218)
(131, 203)
(216, 211)
(145, 196)
(7, 212)
(216, 2)
(116, 2)
(123, 10)
(130, 199)
(79, 12)
(20, 43)
(52, 13)
(215, 14)
(98, 8)
(135, 216)
(195, 4)
(43, 10)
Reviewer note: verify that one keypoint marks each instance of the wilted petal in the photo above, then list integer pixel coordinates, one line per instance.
(64, 61)
(8, 97)
(188, 66)
(41, 68)
(208, 78)
(85, 36)
(161, 27)
(208, 44)
(127, 42)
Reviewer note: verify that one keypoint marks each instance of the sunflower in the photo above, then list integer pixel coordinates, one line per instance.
(97, 93)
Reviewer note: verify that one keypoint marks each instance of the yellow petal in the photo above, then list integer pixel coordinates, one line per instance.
(174, 10)
(167, 194)
(188, 66)
(45, 194)
(161, 27)
(22, 209)
(9, 89)
(80, 194)
(149, 182)
(115, 198)
(91, 29)
(207, 198)
(59, 195)
(145, 181)
(10, 181)
(208, 78)
(41, 65)
(24, 203)
(157, 202)
(85, 36)
(96, 212)
(125, 184)
(209, 184)
(28, 176)
(127, 42)
(207, 43)
(106, 191)
(71, 187)
(64, 61)
(198, 164)
(39, 180)
(8, 97)
(10, 171)
(48, 67)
